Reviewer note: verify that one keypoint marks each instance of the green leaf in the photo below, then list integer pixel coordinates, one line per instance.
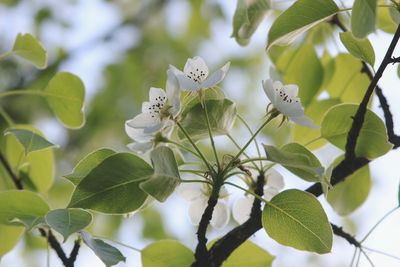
(292, 67)
(29, 48)
(363, 17)
(249, 254)
(108, 254)
(372, 141)
(68, 221)
(166, 175)
(360, 48)
(87, 164)
(30, 140)
(65, 94)
(113, 186)
(298, 18)
(36, 170)
(348, 83)
(384, 19)
(22, 207)
(314, 162)
(315, 111)
(167, 253)
(350, 194)
(221, 113)
(296, 219)
(10, 236)
(297, 159)
(247, 18)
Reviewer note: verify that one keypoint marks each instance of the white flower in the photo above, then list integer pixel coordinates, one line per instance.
(284, 99)
(146, 141)
(242, 207)
(198, 198)
(160, 107)
(195, 77)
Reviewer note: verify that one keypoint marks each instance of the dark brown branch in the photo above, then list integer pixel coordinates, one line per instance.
(201, 253)
(55, 245)
(362, 109)
(13, 176)
(221, 250)
(349, 238)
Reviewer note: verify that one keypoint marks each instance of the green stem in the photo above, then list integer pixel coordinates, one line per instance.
(196, 181)
(6, 117)
(251, 132)
(184, 148)
(244, 153)
(366, 256)
(253, 159)
(234, 173)
(382, 253)
(22, 92)
(354, 257)
(247, 191)
(195, 147)
(250, 140)
(351, 8)
(312, 141)
(211, 136)
(379, 222)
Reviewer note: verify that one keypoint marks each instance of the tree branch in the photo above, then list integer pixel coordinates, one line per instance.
(349, 238)
(201, 253)
(221, 250)
(14, 178)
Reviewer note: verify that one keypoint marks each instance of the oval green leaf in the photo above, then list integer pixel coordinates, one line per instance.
(296, 219)
(296, 159)
(29, 48)
(349, 195)
(167, 253)
(108, 254)
(22, 207)
(246, 19)
(221, 113)
(65, 95)
(166, 175)
(360, 48)
(372, 141)
(249, 254)
(298, 18)
(30, 140)
(87, 164)
(113, 186)
(363, 17)
(10, 236)
(68, 221)
(36, 170)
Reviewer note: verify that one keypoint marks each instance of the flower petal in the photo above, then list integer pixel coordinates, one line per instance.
(291, 90)
(304, 121)
(274, 179)
(196, 209)
(270, 192)
(242, 208)
(216, 77)
(173, 92)
(140, 147)
(143, 120)
(190, 192)
(289, 109)
(196, 67)
(146, 107)
(220, 216)
(269, 90)
(157, 95)
(186, 83)
(137, 134)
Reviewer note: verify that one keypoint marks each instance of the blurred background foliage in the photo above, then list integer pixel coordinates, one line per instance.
(121, 48)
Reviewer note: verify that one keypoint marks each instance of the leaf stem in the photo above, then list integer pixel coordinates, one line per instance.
(6, 117)
(244, 153)
(118, 242)
(184, 148)
(195, 147)
(211, 136)
(378, 223)
(247, 191)
(196, 181)
(22, 92)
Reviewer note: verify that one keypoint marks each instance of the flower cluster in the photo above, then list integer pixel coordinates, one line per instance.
(156, 121)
